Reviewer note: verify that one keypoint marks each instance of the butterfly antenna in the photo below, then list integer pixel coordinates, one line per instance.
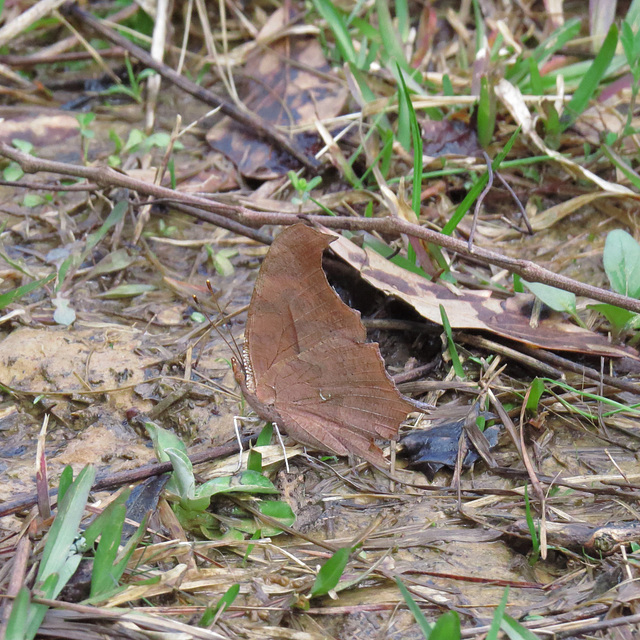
(228, 339)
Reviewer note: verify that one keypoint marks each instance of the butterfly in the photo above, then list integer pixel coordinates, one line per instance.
(306, 364)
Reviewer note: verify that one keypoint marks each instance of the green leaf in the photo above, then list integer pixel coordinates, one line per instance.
(478, 186)
(12, 172)
(423, 623)
(254, 461)
(33, 200)
(617, 317)
(22, 145)
(248, 482)
(279, 510)
(112, 262)
(416, 139)
(486, 113)
(102, 578)
(557, 299)
(66, 480)
(11, 296)
(330, 572)
(338, 27)
(116, 214)
(183, 482)
(66, 524)
(163, 439)
(621, 260)
(447, 627)
(264, 439)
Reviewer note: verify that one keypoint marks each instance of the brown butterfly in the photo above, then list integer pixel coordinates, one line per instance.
(306, 365)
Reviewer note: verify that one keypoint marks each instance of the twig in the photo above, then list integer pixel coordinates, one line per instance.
(393, 227)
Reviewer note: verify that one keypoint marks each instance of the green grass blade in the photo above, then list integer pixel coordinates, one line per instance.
(498, 616)
(11, 296)
(66, 524)
(423, 623)
(477, 188)
(102, 578)
(17, 623)
(591, 80)
(338, 27)
(453, 352)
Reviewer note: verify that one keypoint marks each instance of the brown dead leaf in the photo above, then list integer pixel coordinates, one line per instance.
(473, 309)
(287, 84)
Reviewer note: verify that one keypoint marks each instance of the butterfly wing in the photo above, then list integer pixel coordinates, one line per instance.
(293, 306)
(336, 397)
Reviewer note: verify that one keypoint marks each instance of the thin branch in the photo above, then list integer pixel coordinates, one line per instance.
(393, 227)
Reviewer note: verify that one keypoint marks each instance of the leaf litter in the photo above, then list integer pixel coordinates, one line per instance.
(116, 341)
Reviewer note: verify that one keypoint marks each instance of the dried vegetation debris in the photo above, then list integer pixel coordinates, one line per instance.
(101, 333)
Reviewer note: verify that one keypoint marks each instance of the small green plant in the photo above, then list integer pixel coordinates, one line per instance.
(86, 133)
(65, 546)
(13, 171)
(220, 259)
(191, 501)
(621, 259)
(302, 187)
(134, 90)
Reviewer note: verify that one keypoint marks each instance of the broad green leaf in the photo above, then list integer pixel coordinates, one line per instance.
(447, 627)
(279, 510)
(66, 524)
(102, 578)
(112, 262)
(557, 299)
(617, 317)
(12, 172)
(330, 572)
(247, 482)
(183, 482)
(163, 439)
(621, 260)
